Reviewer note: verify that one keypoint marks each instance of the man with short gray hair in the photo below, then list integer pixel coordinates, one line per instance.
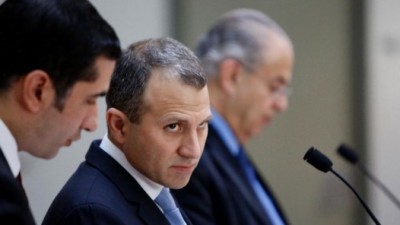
(248, 59)
(157, 118)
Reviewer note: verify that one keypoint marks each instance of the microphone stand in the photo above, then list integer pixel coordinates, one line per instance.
(358, 196)
(324, 164)
(351, 156)
(379, 184)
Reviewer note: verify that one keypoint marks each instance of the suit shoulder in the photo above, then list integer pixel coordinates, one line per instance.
(85, 213)
(88, 190)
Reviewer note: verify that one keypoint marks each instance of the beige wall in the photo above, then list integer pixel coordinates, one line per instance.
(321, 108)
(383, 94)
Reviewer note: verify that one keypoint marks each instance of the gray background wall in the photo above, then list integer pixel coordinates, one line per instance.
(383, 103)
(328, 106)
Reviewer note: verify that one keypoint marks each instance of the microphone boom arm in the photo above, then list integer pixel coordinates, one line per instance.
(379, 184)
(324, 164)
(351, 156)
(358, 196)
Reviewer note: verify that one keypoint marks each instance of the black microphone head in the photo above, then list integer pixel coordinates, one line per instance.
(348, 153)
(318, 160)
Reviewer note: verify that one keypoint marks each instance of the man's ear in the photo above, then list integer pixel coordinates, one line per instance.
(117, 123)
(229, 70)
(37, 91)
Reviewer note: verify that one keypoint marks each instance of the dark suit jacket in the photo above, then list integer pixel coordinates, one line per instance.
(14, 206)
(218, 191)
(101, 191)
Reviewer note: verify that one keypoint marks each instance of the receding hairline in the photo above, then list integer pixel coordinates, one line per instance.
(167, 75)
(250, 16)
(241, 34)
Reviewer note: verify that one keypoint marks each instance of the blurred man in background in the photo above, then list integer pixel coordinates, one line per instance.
(248, 59)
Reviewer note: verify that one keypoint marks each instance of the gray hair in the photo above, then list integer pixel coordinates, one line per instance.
(135, 66)
(233, 37)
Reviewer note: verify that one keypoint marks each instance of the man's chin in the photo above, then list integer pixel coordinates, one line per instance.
(256, 132)
(178, 185)
(44, 155)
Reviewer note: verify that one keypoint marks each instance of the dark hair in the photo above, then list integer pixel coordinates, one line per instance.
(234, 36)
(136, 65)
(60, 37)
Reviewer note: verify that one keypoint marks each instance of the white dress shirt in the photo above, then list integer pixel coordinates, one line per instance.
(10, 150)
(150, 187)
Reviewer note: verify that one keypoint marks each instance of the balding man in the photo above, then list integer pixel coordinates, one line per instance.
(248, 59)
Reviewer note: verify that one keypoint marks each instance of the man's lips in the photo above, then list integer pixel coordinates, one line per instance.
(70, 141)
(266, 119)
(184, 168)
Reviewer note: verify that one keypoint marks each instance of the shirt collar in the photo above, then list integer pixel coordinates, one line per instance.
(9, 147)
(150, 187)
(226, 133)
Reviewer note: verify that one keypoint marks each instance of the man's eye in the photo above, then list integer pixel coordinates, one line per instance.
(203, 124)
(91, 102)
(173, 127)
(274, 87)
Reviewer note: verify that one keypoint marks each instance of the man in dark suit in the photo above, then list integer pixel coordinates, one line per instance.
(248, 59)
(157, 119)
(50, 78)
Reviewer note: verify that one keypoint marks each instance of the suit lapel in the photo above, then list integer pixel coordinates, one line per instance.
(5, 172)
(14, 204)
(132, 191)
(151, 214)
(230, 166)
(271, 195)
(185, 217)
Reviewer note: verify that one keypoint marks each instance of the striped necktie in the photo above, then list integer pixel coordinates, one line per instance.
(262, 195)
(171, 211)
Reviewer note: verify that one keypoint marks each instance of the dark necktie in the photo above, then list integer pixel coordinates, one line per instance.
(19, 179)
(264, 198)
(171, 211)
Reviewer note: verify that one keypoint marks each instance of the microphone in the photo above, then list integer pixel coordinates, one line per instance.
(324, 164)
(351, 155)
